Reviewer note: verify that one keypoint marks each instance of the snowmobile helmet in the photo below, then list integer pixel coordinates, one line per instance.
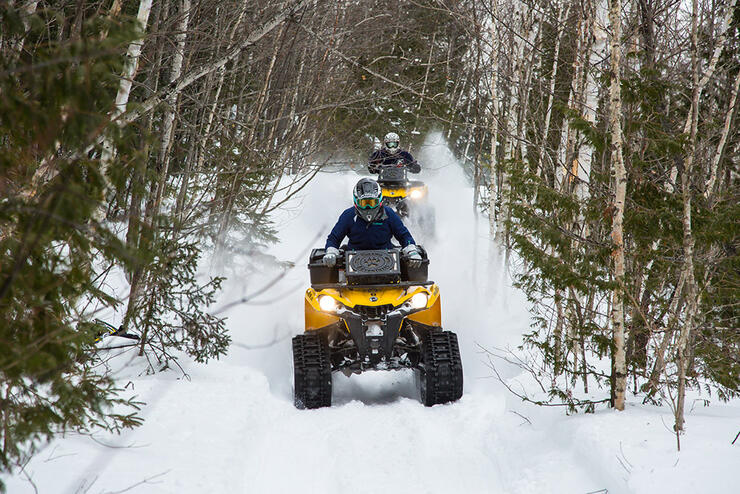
(391, 142)
(368, 199)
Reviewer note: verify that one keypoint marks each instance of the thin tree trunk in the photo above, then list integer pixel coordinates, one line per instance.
(426, 73)
(493, 194)
(709, 189)
(127, 79)
(226, 215)
(619, 370)
(187, 79)
(168, 119)
(26, 11)
(699, 87)
(652, 386)
(557, 334)
(553, 79)
(683, 350)
(512, 125)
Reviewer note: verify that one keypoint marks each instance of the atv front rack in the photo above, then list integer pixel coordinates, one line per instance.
(344, 286)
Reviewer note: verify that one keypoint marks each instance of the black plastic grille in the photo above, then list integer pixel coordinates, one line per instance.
(373, 312)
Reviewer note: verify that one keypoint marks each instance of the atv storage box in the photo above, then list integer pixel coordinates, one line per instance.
(419, 274)
(392, 175)
(321, 274)
(372, 267)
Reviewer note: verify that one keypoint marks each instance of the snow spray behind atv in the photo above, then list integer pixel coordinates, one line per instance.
(408, 198)
(373, 312)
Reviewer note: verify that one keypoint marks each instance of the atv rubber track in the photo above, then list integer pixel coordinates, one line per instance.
(441, 368)
(312, 371)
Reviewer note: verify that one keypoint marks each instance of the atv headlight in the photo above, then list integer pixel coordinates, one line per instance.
(327, 303)
(416, 194)
(419, 301)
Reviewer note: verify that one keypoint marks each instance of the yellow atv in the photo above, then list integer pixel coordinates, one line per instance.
(408, 198)
(373, 312)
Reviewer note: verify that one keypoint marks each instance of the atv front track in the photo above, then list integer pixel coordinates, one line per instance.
(441, 374)
(312, 371)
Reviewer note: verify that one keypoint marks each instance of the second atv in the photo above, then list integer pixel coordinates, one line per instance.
(409, 198)
(373, 312)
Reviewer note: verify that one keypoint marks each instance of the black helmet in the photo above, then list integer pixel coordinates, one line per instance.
(368, 199)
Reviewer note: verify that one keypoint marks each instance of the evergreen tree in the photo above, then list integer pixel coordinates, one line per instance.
(55, 97)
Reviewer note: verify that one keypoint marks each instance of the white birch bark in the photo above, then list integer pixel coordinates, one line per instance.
(493, 186)
(234, 186)
(176, 71)
(553, 79)
(532, 51)
(168, 119)
(718, 47)
(598, 38)
(127, 79)
(512, 119)
(683, 353)
(620, 186)
(575, 98)
(17, 47)
(709, 189)
(187, 79)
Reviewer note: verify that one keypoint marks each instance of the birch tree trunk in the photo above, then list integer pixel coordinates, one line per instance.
(493, 194)
(512, 122)
(127, 79)
(226, 215)
(709, 189)
(17, 46)
(186, 80)
(652, 386)
(562, 13)
(619, 368)
(683, 352)
(700, 84)
(597, 47)
(168, 119)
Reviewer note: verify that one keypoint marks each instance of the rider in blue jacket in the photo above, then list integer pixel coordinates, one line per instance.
(370, 226)
(392, 154)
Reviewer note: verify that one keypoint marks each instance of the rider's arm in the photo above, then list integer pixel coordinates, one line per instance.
(411, 164)
(341, 229)
(373, 162)
(399, 230)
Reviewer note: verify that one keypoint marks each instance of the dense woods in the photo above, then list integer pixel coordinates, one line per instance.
(601, 139)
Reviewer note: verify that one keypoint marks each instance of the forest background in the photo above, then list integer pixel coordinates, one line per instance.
(601, 138)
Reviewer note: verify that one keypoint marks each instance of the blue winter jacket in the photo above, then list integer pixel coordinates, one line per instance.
(383, 157)
(369, 236)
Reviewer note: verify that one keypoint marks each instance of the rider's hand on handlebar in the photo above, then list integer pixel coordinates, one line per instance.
(413, 258)
(330, 258)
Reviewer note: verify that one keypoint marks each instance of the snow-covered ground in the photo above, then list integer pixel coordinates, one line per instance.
(231, 427)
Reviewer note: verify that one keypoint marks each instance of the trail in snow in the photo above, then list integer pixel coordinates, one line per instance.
(232, 427)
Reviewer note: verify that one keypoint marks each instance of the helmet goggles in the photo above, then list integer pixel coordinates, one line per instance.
(367, 202)
(391, 144)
